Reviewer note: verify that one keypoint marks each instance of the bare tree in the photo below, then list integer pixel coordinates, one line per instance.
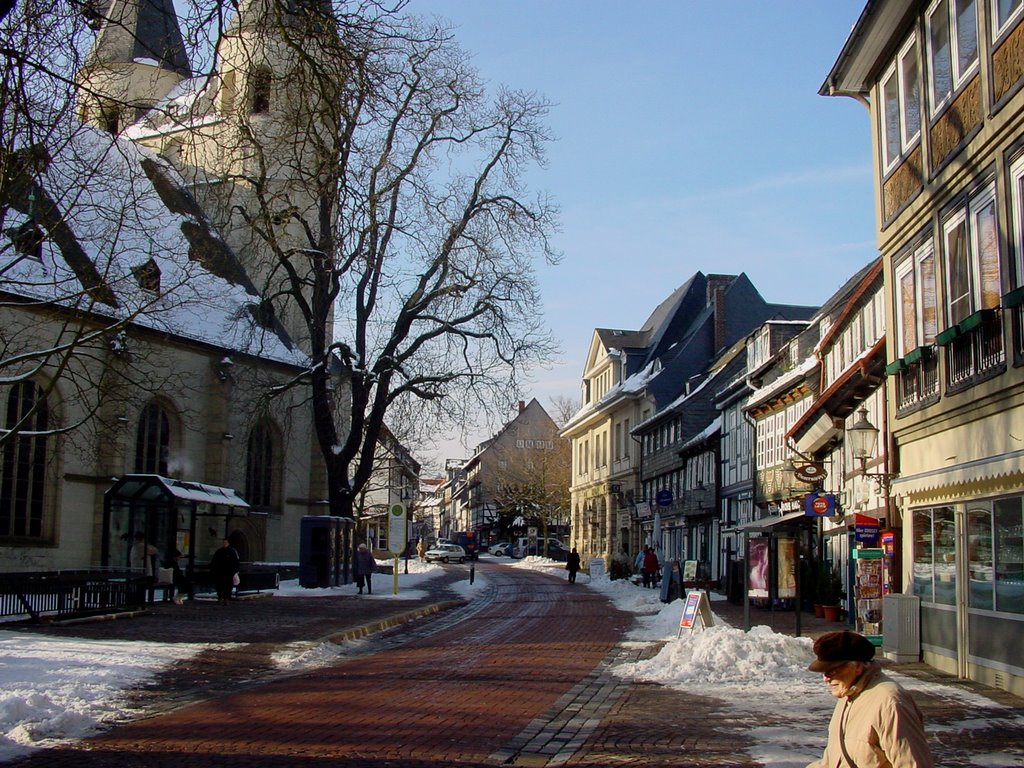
(563, 408)
(404, 263)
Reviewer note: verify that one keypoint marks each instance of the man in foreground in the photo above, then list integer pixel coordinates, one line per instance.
(876, 723)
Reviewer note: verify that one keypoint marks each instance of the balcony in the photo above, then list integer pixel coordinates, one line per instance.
(917, 382)
(974, 349)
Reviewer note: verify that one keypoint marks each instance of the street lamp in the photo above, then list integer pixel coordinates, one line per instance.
(863, 437)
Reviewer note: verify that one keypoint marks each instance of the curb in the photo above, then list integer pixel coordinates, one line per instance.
(364, 630)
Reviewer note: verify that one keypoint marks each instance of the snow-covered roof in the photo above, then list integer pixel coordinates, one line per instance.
(116, 219)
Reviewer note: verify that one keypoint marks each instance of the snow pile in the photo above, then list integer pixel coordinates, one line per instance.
(724, 655)
(57, 689)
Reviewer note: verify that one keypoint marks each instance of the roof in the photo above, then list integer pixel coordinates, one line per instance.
(879, 29)
(156, 488)
(111, 210)
(142, 31)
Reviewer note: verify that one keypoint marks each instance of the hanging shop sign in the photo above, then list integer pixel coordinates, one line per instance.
(819, 505)
(809, 473)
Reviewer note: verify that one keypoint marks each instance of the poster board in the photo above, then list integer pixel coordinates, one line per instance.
(689, 570)
(596, 567)
(757, 564)
(697, 607)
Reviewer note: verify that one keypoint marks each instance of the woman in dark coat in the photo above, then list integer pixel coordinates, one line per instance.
(364, 567)
(223, 566)
(572, 564)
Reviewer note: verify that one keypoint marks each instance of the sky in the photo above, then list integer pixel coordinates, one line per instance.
(690, 136)
(53, 690)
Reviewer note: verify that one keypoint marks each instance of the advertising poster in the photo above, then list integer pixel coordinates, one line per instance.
(757, 561)
(786, 553)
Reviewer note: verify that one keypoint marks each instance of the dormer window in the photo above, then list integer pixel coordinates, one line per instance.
(260, 92)
(148, 276)
(27, 240)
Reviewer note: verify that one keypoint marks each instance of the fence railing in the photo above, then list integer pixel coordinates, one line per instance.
(65, 594)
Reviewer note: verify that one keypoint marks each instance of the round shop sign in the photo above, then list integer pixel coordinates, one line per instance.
(663, 497)
(809, 473)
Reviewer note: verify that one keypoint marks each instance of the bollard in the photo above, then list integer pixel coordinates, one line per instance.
(472, 571)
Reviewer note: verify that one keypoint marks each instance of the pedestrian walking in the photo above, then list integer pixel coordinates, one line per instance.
(572, 564)
(649, 569)
(181, 582)
(364, 567)
(224, 566)
(875, 722)
(421, 549)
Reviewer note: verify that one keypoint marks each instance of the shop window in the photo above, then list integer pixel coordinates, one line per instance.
(1009, 555)
(934, 570)
(979, 558)
(23, 463)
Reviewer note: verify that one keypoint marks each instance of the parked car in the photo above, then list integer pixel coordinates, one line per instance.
(522, 547)
(445, 553)
(500, 549)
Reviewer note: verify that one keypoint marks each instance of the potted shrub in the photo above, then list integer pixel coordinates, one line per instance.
(831, 595)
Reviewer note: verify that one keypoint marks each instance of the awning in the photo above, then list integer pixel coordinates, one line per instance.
(767, 523)
(155, 488)
(1006, 466)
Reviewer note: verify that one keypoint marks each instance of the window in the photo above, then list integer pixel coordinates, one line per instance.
(1017, 197)
(971, 243)
(153, 441)
(917, 320)
(260, 85)
(260, 468)
(148, 276)
(934, 570)
(1009, 554)
(901, 105)
(952, 47)
(1004, 14)
(23, 463)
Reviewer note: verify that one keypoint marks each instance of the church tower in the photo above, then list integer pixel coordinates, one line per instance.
(257, 142)
(138, 57)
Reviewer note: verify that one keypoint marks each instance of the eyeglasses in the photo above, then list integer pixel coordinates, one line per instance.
(835, 671)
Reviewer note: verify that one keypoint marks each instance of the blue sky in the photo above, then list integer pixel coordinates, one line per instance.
(690, 136)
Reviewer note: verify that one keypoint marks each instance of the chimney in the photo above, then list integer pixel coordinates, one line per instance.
(716, 298)
(522, 406)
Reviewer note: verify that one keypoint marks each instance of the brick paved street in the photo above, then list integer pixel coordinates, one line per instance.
(518, 676)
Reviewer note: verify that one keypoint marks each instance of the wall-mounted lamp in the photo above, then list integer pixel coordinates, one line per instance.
(227, 436)
(863, 437)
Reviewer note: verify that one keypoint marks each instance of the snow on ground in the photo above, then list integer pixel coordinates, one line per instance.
(56, 689)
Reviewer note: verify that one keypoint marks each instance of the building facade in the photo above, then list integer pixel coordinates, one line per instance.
(943, 83)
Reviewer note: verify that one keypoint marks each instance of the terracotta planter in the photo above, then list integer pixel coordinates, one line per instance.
(831, 612)
(819, 611)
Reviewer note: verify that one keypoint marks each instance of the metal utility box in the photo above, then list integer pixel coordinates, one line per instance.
(901, 639)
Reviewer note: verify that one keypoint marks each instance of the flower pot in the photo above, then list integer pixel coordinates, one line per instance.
(831, 612)
(819, 611)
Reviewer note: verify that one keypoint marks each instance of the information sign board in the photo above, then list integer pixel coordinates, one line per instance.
(397, 529)
(696, 607)
(596, 567)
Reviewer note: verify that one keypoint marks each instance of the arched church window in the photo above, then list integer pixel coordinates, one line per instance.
(23, 462)
(261, 468)
(153, 440)
(260, 83)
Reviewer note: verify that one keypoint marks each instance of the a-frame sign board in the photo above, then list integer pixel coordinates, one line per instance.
(697, 607)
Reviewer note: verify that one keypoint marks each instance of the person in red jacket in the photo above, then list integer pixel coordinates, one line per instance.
(649, 569)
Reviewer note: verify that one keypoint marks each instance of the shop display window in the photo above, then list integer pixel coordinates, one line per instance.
(1009, 555)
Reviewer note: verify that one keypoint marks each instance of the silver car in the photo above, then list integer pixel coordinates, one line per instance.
(445, 553)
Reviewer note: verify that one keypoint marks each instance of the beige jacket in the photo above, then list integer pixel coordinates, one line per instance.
(881, 727)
